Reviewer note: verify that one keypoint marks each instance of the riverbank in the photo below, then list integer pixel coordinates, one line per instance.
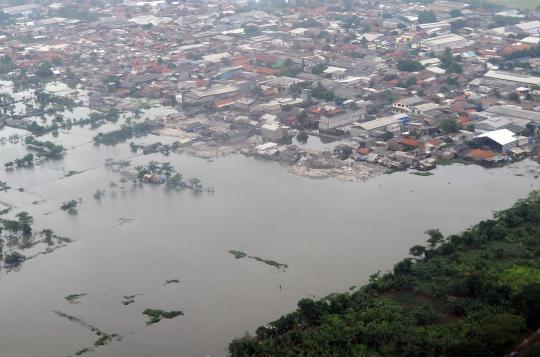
(472, 294)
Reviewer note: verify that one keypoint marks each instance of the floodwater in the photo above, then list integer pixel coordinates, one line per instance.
(332, 235)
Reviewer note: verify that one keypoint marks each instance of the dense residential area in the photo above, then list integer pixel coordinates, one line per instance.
(175, 175)
(390, 85)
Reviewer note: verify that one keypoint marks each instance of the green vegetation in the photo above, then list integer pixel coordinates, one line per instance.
(409, 65)
(44, 149)
(449, 125)
(102, 337)
(450, 62)
(239, 255)
(157, 315)
(70, 206)
(422, 173)
(121, 135)
(426, 17)
(472, 294)
(4, 187)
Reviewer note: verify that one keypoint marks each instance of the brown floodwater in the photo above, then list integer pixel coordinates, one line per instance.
(332, 235)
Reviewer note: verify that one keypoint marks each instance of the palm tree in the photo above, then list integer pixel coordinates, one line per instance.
(167, 168)
(4, 186)
(123, 164)
(195, 182)
(48, 233)
(176, 181)
(153, 166)
(25, 222)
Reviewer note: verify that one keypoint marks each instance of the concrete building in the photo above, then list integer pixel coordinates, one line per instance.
(439, 43)
(512, 77)
(274, 132)
(384, 123)
(502, 140)
(327, 123)
(526, 28)
(203, 96)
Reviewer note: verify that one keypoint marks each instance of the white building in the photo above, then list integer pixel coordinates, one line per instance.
(327, 123)
(274, 132)
(439, 43)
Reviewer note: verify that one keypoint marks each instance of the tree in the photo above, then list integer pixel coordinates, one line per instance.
(455, 13)
(153, 166)
(44, 70)
(426, 16)
(449, 125)
(48, 234)
(14, 259)
(435, 238)
(252, 30)
(319, 68)
(514, 97)
(25, 222)
(409, 65)
(529, 300)
(500, 332)
(7, 103)
(454, 67)
(167, 168)
(4, 186)
(417, 251)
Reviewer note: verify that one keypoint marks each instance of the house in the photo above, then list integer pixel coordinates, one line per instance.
(406, 105)
(526, 28)
(390, 123)
(274, 132)
(211, 94)
(327, 123)
(501, 140)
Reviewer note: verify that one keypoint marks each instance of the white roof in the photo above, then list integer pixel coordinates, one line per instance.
(501, 136)
(531, 39)
(529, 25)
(332, 69)
(442, 40)
(380, 122)
(513, 77)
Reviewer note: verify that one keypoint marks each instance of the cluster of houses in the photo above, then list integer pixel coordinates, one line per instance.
(402, 84)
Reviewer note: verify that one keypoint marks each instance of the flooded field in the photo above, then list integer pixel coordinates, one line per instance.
(144, 247)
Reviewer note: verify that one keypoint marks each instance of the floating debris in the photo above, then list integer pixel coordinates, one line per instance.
(123, 220)
(175, 281)
(72, 298)
(129, 299)
(72, 172)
